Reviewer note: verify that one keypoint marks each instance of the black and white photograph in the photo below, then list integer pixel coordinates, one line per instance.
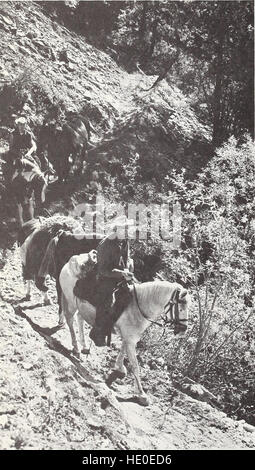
(127, 230)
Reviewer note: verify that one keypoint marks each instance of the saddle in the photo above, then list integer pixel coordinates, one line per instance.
(87, 289)
(122, 298)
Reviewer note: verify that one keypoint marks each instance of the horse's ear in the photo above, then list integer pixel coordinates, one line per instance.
(183, 294)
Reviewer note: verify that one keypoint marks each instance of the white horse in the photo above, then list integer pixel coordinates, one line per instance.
(150, 301)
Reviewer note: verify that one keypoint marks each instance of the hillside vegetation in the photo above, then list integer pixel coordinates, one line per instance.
(159, 138)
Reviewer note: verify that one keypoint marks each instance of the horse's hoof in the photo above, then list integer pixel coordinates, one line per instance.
(85, 351)
(76, 354)
(114, 375)
(143, 400)
(61, 325)
(119, 374)
(27, 297)
(47, 302)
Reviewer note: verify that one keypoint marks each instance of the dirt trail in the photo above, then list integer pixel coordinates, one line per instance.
(51, 401)
(48, 400)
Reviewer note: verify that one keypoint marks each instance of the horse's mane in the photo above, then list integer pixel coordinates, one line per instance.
(154, 290)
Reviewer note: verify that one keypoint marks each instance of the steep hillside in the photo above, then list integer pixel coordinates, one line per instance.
(51, 401)
(43, 63)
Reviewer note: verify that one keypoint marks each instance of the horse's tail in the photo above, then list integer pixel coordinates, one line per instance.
(26, 229)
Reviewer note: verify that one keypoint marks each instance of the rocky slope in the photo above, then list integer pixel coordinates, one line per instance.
(49, 400)
(43, 62)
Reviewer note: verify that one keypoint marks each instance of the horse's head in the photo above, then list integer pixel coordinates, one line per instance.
(48, 134)
(177, 309)
(81, 264)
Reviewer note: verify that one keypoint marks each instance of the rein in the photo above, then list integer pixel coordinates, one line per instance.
(142, 313)
(170, 307)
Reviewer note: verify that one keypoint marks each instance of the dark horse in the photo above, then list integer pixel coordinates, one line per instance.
(66, 144)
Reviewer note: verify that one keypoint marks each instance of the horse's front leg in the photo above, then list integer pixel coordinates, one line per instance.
(28, 290)
(70, 321)
(40, 284)
(84, 159)
(61, 316)
(31, 209)
(46, 300)
(59, 164)
(119, 364)
(78, 162)
(43, 193)
(142, 397)
(119, 371)
(85, 349)
(20, 214)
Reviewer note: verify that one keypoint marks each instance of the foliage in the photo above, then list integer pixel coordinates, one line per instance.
(149, 155)
(94, 20)
(29, 93)
(214, 261)
(206, 46)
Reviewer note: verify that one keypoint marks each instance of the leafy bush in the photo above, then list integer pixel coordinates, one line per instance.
(214, 262)
(218, 238)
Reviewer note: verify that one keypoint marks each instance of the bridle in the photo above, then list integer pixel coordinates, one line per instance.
(170, 315)
(171, 309)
